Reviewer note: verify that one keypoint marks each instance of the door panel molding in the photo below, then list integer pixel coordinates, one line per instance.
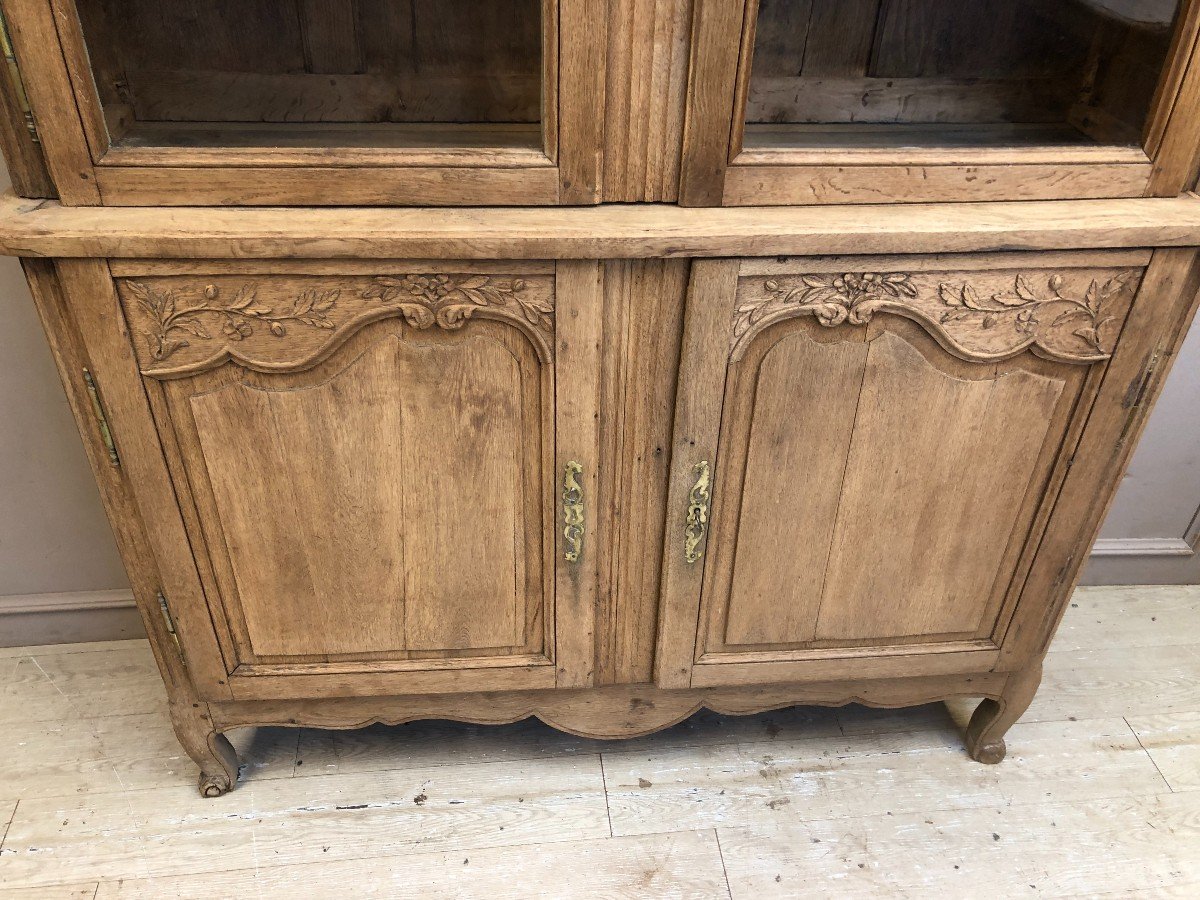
(1009, 395)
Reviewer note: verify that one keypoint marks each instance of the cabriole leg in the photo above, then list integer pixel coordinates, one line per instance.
(208, 748)
(992, 718)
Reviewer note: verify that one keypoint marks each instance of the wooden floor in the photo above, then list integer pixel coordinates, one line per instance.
(1100, 793)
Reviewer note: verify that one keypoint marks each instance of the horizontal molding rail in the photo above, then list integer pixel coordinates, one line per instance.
(45, 228)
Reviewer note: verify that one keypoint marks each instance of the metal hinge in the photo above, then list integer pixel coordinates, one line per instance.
(101, 418)
(170, 622)
(18, 83)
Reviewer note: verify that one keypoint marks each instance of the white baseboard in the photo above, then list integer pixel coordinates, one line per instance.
(1142, 547)
(76, 617)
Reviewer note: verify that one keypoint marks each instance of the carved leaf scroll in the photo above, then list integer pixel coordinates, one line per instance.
(1072, 316)
(172, 317)
(186, 324)
(1021, 306)
(448, 301)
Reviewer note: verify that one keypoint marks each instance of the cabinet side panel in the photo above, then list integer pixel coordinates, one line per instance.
(1156, 327)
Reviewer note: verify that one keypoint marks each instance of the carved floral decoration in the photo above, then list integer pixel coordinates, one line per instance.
(1023, 303)
(173, 318)
(448, 301)
(1032, 312)
(834, 299)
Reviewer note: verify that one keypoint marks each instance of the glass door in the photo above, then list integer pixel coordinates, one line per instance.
(446, 102)
(909, 100)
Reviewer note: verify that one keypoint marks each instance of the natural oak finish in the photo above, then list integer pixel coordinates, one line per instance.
(516, 453)
(455, 104)
(911, 429)
(618, 231)
(835, 103)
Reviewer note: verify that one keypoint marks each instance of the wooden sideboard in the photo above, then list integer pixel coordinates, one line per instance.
(451, 436)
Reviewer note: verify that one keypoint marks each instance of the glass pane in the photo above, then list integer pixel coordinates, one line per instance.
(335, 72)
(937, 73)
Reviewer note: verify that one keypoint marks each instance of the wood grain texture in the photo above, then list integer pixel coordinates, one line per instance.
(582, 50)
(918, 549)
(162, 186)
(104, 333)
(644, 306)
(781, 184)
(579, 338)
(288, 323)
(45, 228)
(780, 482)
(993, 717)
(711, 290)
(63, 142)
(606, 712)
(22, 154)
(1068, 314)
(875, 65)
(1155, 328)
(645, 97)
(712, 76)
(363, 448)
(830, 544)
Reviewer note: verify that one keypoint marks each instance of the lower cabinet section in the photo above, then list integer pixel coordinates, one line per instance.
(606, 493)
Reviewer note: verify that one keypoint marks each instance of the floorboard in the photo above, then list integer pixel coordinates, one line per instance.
(1099, 796)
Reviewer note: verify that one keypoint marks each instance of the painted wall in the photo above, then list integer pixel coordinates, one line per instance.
(54, 537)
(1153, 529)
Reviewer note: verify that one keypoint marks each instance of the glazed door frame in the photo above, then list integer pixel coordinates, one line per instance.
(87, 170)
(716, 308)
(717, 171)
(145, 439)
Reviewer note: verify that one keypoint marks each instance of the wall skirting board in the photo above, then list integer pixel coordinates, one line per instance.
(1143, 547)
(33, 619)
(1166, 560)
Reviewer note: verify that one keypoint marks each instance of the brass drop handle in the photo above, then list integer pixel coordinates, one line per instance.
(696, 521)
(572, 504)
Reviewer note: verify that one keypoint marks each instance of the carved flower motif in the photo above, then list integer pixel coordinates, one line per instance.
(833, 299)
(1024, 302)
(447, 301)
(1036, 310)
(171, 318)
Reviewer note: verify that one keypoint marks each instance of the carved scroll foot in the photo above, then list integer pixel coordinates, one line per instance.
(210, 750)
(992, 718)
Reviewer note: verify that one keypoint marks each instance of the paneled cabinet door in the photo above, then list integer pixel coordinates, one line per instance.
(373, 462)
(865, 452)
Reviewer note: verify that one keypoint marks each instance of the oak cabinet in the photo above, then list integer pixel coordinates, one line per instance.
(604, 492)
(477, 445)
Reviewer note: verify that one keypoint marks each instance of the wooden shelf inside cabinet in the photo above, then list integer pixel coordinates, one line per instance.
(933, 100)
(305, 103)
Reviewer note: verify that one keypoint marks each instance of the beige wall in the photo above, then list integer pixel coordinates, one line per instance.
(53, 534)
